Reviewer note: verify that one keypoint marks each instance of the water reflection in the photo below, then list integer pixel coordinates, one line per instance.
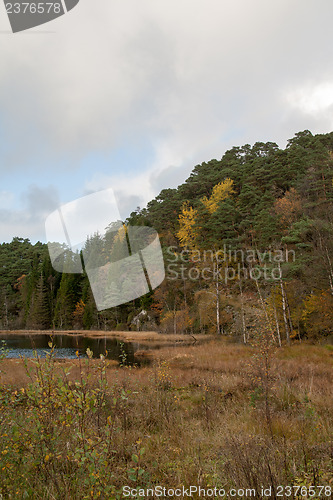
(68, 345)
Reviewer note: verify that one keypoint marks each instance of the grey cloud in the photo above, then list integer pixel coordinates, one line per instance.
(182, 73)
(170, 177)
(190, 78)
(40, 201)
(29, 218)
(127, 204)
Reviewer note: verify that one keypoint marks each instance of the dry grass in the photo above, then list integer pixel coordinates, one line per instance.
(200, 414)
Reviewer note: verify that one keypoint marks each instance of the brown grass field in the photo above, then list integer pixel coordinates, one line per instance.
(211, 415)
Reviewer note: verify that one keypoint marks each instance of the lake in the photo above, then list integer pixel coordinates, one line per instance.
(67, 345)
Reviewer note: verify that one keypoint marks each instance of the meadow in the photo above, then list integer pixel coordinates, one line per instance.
(251, 420)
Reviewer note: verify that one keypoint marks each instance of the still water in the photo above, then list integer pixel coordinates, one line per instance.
(67, 345)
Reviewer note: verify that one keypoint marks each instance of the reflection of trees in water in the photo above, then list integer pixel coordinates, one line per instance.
(67, 345)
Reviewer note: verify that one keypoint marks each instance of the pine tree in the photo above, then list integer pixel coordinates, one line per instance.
(39, 316)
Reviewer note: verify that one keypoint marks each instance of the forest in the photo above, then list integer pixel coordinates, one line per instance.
(246, 239)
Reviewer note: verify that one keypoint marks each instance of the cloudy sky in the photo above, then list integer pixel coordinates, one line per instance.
(132, 94)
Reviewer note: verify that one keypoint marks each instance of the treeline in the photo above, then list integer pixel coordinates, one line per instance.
(247, 240)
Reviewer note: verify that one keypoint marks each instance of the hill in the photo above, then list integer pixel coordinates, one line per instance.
(247, 241)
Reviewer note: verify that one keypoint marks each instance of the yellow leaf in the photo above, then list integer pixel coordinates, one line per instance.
(220, 192)
(186, 233)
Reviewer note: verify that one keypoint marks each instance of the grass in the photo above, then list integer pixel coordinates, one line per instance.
(211, 415)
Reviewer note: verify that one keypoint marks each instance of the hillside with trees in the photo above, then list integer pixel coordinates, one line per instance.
(246, 239)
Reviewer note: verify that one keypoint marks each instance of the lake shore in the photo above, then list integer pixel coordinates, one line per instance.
(129, 336)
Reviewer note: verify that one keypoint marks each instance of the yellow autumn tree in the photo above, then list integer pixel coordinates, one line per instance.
(121, 234)
(318, 313)
(221, 191)
(186, 233)
(78, 313)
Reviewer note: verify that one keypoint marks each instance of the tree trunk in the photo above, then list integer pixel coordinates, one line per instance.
(217, 301)
(242, 311)
(284, 307)
(265, 310)
(330, 269)
(277, 323)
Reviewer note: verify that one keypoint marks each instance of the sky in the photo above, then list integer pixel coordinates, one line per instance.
(132, 94)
